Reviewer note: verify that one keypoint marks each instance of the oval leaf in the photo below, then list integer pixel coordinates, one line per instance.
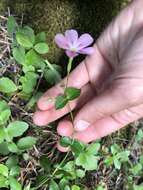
(72, 93)
(17, 128)
(61, 101)
(41, 48)
(19, 54)
(7, 85)
(26, 143)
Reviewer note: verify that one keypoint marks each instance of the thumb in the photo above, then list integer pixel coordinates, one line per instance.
(107, 103)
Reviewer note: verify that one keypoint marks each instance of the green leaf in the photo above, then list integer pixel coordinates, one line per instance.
(93, 148)
(115, 149)
(139, 136)
(41, 48)
(14, 184)
(12, 161)
(3, 181)
(11, 25)
(26, 143)
(77, 147)
(123, 156)
(117, 164)
(17, 128)
(72, 93)
(3, 170)
(19, 54)
(41, 37)
(32, 58)
(2, 135)
(109, 161)
(75, 187)
(80, 173)
(45, 163)
(88, 162)
(141, 160)
(53, 74)
(4, 148)
(136, 169)
(28, 68)
(65, 141)
(14, 171)
(28, 81)
(25, 37)
(7, 85)
(53, 185)
(63, 183)
(61, 101)
(12, 147)
(24, 41)
(4, 114)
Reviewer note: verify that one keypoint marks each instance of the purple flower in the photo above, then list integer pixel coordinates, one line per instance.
(73, 44)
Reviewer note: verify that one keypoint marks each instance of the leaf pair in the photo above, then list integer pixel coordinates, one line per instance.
(70, 93)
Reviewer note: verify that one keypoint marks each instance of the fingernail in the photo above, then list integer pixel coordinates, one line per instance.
(81, 125)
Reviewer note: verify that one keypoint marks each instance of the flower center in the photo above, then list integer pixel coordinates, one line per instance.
(74, 49)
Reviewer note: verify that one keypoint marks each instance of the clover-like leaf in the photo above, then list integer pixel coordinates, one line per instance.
(65, 141)
(24, 41)
(12, 161)
(32, 58)
(7, 85)
(61, 101)
(12, 147)
(4, 148)
(4, 170)
(72, 93)
(17, 128)
(4, 113)
(25, 37)
(19, 54)
(53, 185)
(12, 25)
(75, 187)
(14, 184)
(28, 81)
(93, 148)
(53, 75)
(77, 147)
(41, 48)
(3, 182)
(26, 143)
(87, 161)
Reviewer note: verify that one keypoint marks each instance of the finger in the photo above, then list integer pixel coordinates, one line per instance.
(110, 124)
(111, 101)
(42, 118)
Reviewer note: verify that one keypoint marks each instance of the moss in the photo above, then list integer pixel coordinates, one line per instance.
(55, 16)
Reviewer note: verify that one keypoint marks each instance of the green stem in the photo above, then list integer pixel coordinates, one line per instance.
(69, 67)
(68, 70)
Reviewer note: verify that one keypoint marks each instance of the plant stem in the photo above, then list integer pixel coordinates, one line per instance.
(68, 70)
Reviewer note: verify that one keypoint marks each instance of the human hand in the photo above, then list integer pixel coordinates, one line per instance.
(111, 82)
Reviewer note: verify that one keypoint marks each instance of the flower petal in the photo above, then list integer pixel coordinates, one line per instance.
(84, 41)
(71, 54)
(87, 51)
(61, 41)
(71, 36)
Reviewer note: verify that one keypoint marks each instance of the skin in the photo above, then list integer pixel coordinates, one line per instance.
(111, 81)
